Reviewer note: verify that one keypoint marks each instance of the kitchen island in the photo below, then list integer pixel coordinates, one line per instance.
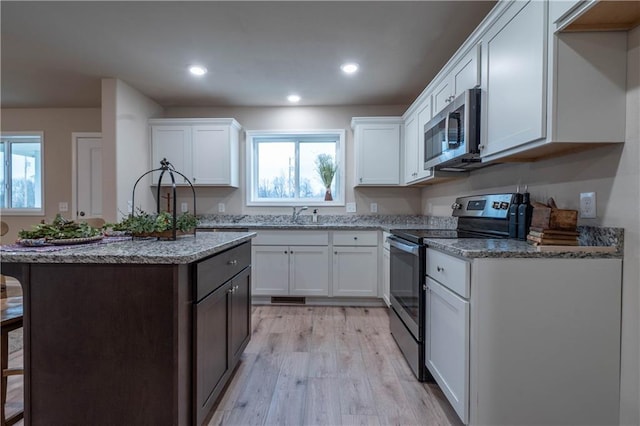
(133, 332)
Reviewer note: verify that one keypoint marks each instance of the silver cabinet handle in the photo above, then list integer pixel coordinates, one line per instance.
(439, 269)
(232, 262)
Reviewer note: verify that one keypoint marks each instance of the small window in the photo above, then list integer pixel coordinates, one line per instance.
(21, 177)
(284, 167)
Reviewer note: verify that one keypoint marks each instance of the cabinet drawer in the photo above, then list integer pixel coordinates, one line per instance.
(292, 238)
(355, 238)
(449, 271)
(211, 273)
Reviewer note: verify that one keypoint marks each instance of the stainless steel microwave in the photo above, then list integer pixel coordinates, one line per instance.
(452, 137)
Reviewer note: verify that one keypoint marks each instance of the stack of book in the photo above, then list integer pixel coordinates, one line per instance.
(552, 237)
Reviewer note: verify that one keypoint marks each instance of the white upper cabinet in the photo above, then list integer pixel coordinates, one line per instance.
(464, 75)
(204, 150)
(377, 150)
(547, 92)
(414, 143)
(514, 83)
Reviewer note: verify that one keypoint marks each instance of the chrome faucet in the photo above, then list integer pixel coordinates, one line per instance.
(296, 213)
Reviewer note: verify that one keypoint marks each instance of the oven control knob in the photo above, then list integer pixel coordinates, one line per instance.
(504, 205)
(456, 206)
(496, 205)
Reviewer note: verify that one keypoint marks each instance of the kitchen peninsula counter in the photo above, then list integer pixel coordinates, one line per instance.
(133, 332)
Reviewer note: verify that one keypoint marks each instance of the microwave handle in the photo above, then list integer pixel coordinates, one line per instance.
(453, 116)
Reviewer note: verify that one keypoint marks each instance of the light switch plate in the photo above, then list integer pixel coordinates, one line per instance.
(351, 207)
(184, 207)
(63, 206)
(221, 208)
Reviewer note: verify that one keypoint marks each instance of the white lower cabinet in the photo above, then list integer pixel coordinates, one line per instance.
(355, 271)
(355, 263)
(290, 270)
(447, 350)
(525, 341)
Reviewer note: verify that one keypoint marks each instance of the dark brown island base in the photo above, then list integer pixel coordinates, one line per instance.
(133, 332)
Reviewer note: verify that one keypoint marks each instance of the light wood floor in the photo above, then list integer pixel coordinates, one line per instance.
(327, 366)
(319, 366)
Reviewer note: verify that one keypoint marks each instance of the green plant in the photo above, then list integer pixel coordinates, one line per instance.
(326, 168)
(145, 223)
(60, 229)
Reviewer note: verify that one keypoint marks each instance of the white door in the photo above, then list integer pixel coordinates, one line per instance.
(355, 271)
(270, 270)
(89, 177)
(309, 275)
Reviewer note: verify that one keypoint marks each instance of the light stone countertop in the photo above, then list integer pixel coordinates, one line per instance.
(506, 248)
(186, 249)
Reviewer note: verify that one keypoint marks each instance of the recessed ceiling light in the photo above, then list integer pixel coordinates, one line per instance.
(293, 98)
(349, 68)
(197, 70)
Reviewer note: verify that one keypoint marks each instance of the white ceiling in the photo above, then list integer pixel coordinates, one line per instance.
(55, 53)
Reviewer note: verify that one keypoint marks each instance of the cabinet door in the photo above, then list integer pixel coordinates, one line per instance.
(411, 138)
(211, 348)
(447, 348)
(240, 314)
(386, 276)
(270, 270)
(515, 48)
(466, 74)
(355, 271)
(442, 95)
(309, 271)
(424, 115)
(378, 154)
(211, 155)
(174, 144)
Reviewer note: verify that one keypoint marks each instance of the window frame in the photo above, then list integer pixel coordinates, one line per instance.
(253, 136)
(8, 211)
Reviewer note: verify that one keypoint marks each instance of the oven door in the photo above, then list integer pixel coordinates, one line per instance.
(407, 281)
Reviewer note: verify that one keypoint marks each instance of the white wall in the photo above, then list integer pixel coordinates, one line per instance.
(57, 124)
(390, 200)
(613, 173)
(126, 149)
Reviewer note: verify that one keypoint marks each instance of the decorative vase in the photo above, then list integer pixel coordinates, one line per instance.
(327, 195)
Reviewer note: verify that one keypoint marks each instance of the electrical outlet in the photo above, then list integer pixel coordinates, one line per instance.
(373, 207)
(184, 207)
(63, 206)
(129, 206)
(588, 205)
(351, 207)
(221, 208)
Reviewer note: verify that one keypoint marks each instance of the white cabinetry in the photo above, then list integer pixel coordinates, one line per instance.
(355, 263)
(519, 334)
(386, 269)
(204, 150)
(464, 75)
(377, 150)
(447, 328)
(414, 143)
(549, 92)
(515, 84)
(290, 263)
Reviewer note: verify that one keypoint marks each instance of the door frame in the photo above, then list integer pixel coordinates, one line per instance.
(74, 167)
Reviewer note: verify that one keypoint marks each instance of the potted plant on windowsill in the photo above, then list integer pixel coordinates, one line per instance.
(326, 168)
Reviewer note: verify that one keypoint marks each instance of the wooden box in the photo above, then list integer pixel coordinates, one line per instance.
(550, 218)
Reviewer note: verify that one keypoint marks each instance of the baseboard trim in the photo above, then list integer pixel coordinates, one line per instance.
(326, 301)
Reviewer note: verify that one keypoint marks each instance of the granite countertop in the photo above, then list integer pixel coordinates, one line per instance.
(506, 248)
(326, 222)
(186, 249)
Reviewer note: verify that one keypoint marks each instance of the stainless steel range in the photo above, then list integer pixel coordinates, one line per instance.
(479, 216)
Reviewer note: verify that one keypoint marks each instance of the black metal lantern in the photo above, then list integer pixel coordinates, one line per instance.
(166, 166)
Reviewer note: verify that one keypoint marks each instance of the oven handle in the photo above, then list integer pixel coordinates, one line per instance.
(408, 248)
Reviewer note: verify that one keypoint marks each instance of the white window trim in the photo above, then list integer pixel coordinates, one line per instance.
(29, 212)
(340, 160)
